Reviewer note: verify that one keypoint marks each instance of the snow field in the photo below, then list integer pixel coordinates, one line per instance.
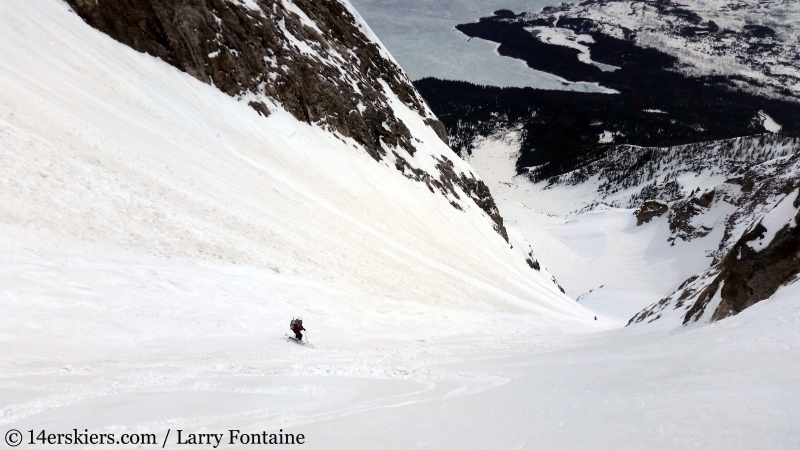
(96, 326)
(186, 347)
(601, 258)
(726, 385)
(155, 229)
(156, 236)
(135, 155)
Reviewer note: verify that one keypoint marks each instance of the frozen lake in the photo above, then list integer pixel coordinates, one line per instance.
(421, 35)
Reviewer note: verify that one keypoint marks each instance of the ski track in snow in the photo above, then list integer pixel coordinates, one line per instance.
(164, 355)
(156, 237)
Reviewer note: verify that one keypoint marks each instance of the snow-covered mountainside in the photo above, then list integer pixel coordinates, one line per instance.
(156, 224)
(743, 188)
(255, 152)
(162, 220)
(760, 248)
(660, 88)
(699, 190)
(753, 43)
(317, 60)
(115, 156)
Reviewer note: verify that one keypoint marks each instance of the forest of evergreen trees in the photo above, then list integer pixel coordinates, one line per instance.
(655, 106)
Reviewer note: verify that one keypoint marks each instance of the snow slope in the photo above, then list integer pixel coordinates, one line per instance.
(138, 202)
(194, 348)
(133, 155)
(156, 235)
(600, 257)
(729, 385)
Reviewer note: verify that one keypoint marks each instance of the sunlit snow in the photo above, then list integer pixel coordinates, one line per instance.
(157, 235)
(567, 38)
(768, 123)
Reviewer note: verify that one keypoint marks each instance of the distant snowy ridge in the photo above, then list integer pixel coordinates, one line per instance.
(317, 60)
(745, 187)
(759, 252)
(737, 198)
(628, 175)
(752, 42)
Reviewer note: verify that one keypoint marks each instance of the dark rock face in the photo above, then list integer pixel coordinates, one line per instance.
(749, 276)
(439, 128)
(241, 50)
(752, 267)
(308, 56)
(746, 181)
(680, 218)
(533, 262)
(650, 210)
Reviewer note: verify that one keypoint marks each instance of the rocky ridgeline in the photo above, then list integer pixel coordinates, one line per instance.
(758, 253)
(311, 57)
(754, 199)
(628, 176)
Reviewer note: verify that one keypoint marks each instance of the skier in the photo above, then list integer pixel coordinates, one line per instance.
(297, 327)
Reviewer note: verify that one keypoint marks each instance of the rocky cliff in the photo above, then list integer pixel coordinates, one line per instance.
(759, 252)
(738, 198)
(316, 59)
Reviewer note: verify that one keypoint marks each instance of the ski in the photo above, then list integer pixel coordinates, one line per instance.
(297, 340)
(294, 339)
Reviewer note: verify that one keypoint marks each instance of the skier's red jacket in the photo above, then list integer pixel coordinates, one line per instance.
(296, 326)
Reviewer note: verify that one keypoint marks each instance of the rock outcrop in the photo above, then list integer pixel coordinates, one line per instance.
(759, 252)
(308, 56)
(682, 213)
(649, 210)
(314, 58)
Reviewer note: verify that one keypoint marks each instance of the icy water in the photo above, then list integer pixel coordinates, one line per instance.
(420, 34)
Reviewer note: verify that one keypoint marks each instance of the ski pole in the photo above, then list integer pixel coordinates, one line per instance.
(307, 337)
